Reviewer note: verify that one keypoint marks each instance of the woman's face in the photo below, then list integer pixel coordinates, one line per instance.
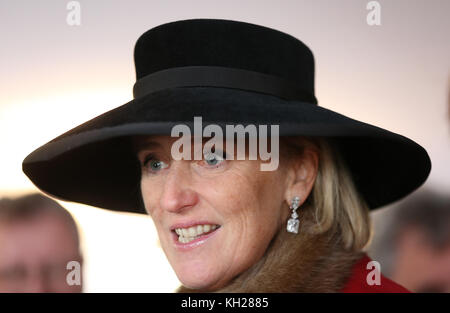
(215, 218)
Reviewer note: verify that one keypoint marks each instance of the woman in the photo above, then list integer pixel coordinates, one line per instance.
(224, 223)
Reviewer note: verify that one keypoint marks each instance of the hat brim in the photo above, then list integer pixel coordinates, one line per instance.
(94, 163)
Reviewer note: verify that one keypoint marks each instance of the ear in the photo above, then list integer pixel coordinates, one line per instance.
(302, 174)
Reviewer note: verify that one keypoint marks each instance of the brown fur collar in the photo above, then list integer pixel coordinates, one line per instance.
(297, 263)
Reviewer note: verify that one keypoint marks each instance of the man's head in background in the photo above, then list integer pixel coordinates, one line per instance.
(416, 252)
(38, 237)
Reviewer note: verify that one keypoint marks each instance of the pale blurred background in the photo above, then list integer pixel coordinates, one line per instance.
(54, 77)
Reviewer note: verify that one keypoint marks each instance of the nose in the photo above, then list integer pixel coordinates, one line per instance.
(178, 194)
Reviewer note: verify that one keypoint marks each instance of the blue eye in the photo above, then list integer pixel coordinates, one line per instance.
(213, 159)
(154, 164)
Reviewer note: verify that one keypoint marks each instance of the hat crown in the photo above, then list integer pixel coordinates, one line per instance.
(228, 44)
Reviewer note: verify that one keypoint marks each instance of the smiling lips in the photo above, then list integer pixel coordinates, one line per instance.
(189, 234)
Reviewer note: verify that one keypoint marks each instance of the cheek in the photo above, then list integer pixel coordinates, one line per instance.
(148, 192)
(264, 199)
(150, 197)
(253, 209)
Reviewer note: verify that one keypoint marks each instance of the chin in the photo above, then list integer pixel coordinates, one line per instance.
(197, 277)
(193, 283)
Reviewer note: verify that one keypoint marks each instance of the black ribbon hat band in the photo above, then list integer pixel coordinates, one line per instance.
(215, 76)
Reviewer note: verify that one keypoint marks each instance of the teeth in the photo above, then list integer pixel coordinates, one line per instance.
(186, 235)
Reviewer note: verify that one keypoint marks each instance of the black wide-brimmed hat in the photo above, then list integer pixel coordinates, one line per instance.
(227, 72)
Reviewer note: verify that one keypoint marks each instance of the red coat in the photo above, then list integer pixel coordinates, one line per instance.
(358, 284)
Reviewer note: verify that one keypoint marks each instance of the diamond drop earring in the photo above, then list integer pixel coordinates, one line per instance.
(292, 224)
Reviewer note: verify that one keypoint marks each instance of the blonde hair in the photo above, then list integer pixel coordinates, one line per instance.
(337, 204)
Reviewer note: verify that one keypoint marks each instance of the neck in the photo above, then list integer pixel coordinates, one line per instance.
(302, 262)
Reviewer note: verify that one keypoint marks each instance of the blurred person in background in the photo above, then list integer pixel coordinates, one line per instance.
(38, 237)
(416, 252)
